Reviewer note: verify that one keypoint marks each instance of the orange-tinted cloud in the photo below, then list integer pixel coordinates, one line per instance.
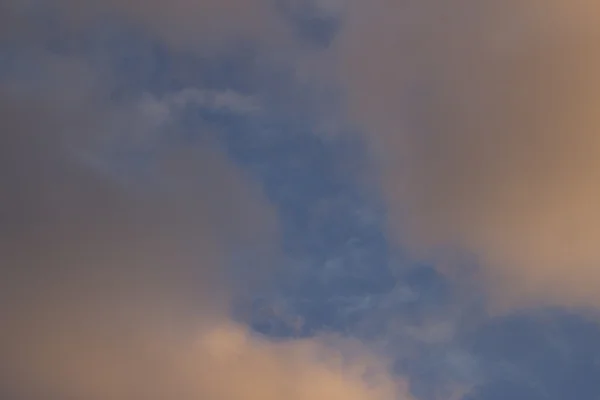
(218, 361)
(484, 115)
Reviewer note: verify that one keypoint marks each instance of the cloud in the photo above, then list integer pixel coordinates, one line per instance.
(484, 117)
(219, 101)
(120, 288)
(189, 24)
(222, 361)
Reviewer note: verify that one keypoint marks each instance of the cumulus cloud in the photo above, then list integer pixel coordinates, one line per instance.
(484, 115)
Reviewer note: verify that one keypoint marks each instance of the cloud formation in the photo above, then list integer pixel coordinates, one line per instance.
(120, 288)
(222, 361)
(485, 117)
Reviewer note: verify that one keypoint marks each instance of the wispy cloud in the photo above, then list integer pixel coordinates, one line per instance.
(216, 101)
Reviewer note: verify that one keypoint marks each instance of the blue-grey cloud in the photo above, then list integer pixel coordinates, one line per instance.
(537, 355)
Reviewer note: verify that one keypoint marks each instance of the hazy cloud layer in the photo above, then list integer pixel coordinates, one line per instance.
(117, 286)
(221, 361)
(485, 117)
(190, 24)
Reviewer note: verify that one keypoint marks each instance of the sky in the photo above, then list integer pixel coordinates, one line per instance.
(301, 199)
